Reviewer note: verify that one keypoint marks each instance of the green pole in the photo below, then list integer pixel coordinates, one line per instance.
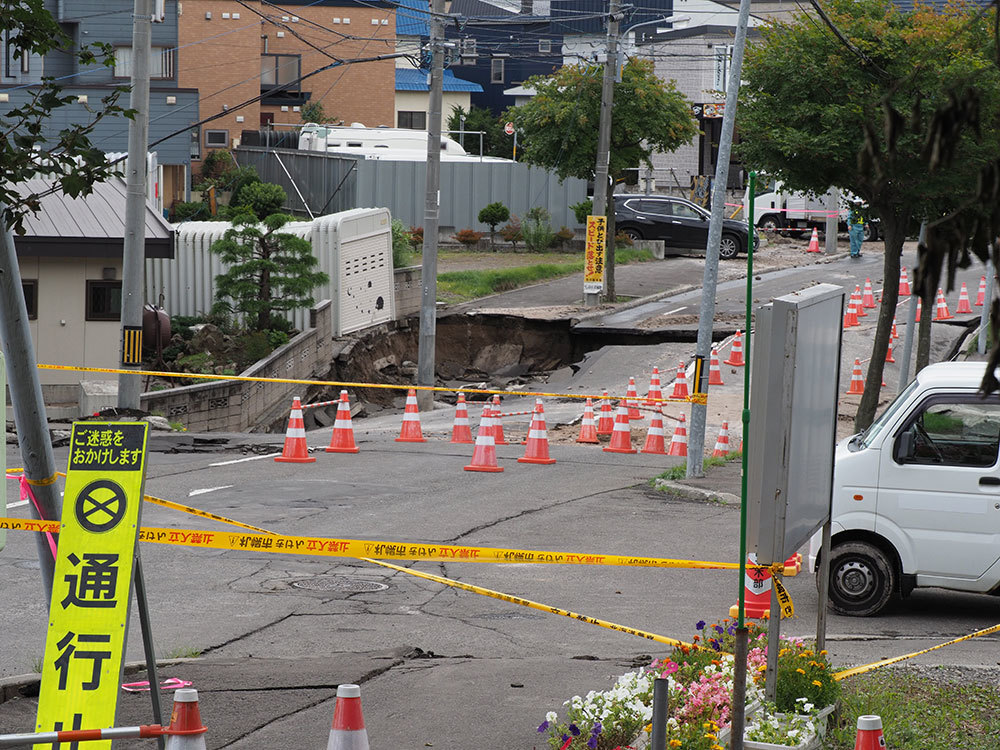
(746, 402)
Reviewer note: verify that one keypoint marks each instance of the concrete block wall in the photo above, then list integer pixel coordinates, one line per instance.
(408, 291)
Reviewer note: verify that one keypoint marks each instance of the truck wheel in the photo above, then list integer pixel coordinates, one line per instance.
(870, 232)
(862, 579)
(770, 224)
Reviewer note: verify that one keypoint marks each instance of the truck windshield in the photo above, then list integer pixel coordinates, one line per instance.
(867, 437)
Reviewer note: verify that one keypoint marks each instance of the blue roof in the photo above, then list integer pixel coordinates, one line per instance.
(412, 17)
(412, 79)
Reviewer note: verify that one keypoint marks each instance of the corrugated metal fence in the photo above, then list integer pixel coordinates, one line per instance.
(329, 183)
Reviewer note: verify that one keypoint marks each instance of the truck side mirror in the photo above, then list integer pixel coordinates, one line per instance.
(905, 447)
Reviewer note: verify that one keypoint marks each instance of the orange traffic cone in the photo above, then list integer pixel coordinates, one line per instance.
(186, 732)
(714, 371)
(295, 450)
(654, 438)
(904, 283)
(868, 299)
(679, 442)
(722, 443)
(757, 588)
(621, 438)
(793, 565)
(919, 305)
(410, 431)
(888, 353)
(632, 401)
(484, 455)
(606, 422)
(681, 383)
(348, 729)
(655, 393)
(963, 301)
(942, 307)
(342, 440)
(895, 335)
(588, 430)
(857, 380)
(736, 353)
(858, 307)
(981, 294)
(813, 242)
(850, 314)
(460, 430)
(498, 436)
(869, 735)
(537, 447)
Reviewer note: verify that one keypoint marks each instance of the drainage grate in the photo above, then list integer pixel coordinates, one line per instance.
(339, 583)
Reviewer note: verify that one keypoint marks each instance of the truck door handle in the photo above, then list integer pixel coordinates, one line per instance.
(989, 480)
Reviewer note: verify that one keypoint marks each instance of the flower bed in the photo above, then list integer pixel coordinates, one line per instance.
(700, 687)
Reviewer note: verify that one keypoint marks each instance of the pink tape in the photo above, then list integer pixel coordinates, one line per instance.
(27, 494)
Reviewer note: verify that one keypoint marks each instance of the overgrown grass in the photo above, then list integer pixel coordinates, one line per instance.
(919, 713)
(680, 471)
(459, 286)
(182, 652)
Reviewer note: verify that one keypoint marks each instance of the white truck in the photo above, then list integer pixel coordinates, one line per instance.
(387, 144)
(777, 210)
(916, 496)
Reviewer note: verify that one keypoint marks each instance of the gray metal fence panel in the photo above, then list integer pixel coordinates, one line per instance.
(327, 183)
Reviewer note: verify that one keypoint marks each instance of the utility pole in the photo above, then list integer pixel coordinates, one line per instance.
(832, 219)
(134, 253)
(26, 398)
(696, 448)
(601, 187)
(428, 266)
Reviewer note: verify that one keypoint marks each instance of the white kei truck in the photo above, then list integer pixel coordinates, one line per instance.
(778, 210)
(916, 496)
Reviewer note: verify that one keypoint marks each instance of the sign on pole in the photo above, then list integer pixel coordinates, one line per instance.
(593, 270)
(92, 585)
(509, 128)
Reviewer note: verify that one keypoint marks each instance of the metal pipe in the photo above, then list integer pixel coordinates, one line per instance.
(661, 698)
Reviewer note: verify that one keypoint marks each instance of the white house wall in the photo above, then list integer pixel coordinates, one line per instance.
(417, 101)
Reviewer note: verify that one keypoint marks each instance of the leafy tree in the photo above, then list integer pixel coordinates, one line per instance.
(312, 111)
(495, 141)
(260, 198)
(862, 125)
(493, 214)
(28, 146)
(269, 270)
(558, 127)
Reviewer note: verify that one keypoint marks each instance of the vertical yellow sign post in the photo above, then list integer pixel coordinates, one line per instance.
(593, 268)
(92, 585)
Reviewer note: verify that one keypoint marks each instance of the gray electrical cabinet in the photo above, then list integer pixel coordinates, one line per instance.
(794, 386)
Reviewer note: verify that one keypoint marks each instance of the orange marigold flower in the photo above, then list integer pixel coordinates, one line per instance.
(817, 683)
(800, 670)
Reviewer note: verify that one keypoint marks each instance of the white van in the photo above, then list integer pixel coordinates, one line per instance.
(916, 497)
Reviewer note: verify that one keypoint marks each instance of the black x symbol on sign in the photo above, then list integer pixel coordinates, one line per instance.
(100, 506)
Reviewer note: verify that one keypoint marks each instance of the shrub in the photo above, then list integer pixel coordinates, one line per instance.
(512, 232)
(538, 235)
(564, 235)
(468, 237)
(400, 245)
(416, 237)
(493, 214)
(259, 198)
(582, 210)
(183, 211)
(623, 240)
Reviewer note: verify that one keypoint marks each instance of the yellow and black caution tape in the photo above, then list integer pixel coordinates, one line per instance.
(784, 598)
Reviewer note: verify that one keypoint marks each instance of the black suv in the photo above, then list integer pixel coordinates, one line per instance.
(678, 222)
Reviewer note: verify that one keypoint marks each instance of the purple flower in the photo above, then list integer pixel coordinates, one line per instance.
(700, 625)
(596, 729)
(543, 726)
(731, 629)
(564, 738)
(719, 629)
(592, 742)
(714, 644)
(574, 730)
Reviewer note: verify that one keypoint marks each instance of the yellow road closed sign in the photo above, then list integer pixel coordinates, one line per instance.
(92, 585)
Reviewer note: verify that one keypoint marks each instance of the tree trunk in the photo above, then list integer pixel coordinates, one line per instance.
(894, 226)
(609, 257)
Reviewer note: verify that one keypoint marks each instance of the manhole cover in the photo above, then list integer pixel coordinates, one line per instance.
(339, 583)
(510, 616)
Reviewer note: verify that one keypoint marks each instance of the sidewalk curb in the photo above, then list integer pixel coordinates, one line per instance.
(695, 493)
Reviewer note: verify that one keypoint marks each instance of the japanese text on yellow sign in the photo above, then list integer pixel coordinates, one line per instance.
(593, 271)
(92, 585)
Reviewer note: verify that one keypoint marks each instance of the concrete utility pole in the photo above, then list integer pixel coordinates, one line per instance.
(601, 186)
(696, 447)
(428, 267)
(26, 398)
(832, 219)
(134, 255)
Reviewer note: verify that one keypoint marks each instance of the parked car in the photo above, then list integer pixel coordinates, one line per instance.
(678, 222)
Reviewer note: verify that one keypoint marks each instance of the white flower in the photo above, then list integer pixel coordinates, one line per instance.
(551, 717)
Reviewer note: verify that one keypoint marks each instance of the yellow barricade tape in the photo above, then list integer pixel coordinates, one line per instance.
(344, 384)
(784, 598)
(886, 662)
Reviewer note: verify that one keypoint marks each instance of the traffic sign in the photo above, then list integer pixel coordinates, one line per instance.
(509, 128)
(92, 584)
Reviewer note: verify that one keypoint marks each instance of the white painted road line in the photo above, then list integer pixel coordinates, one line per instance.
(206, 490)
(243, 460)
(671, 312)
(17, 504)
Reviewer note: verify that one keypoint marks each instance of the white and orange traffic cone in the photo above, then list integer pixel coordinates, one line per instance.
(904, 283)
(722, 443)
(757, 591)
(484, 455)
(588, 429)
(654, 395)
(295, 450)
(963, 301)
(342, 440)
(714, 371)
(681, 383)
(981, 294)
(461, 432)
(813, 242)
(536, 449)
(867, 298)
(606, 422)
(347, 731)
(679, 441)
(858, 307)
(888, 354)
(869, 736)
(857, 386)
(410, 431)
(654, 437)
(919, 305)
(498, 436)
(632, 401)
(942, 307)
(850, 314)
(736, 352)
(895, 336)
(621, 438)
(186, 732)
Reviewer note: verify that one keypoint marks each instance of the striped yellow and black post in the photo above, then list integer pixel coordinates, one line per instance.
(131, 345)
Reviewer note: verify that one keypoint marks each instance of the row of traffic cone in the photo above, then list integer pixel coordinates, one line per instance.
(484, 455)
(963, 295)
